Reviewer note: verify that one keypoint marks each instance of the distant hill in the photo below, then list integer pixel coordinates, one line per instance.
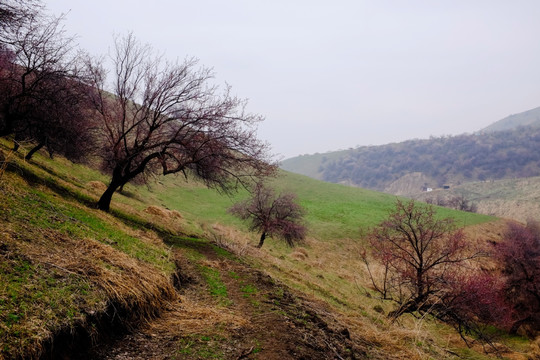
(408, 167)
(526, 118)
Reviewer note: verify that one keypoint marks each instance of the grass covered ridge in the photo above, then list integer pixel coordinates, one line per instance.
(63, 266)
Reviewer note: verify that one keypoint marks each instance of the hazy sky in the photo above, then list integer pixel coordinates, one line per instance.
(331, 75)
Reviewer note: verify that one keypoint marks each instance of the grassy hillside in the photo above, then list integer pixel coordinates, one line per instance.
(333, 211)
(65, 266)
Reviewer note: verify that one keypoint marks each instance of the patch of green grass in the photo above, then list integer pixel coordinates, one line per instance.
(215, 284)
(35, 299)
(249, 290)
(200, 347)
(223, 253)
(257, 348)
(37, 209)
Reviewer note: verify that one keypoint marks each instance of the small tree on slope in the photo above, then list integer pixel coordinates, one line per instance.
(272, 215)
(420, 253)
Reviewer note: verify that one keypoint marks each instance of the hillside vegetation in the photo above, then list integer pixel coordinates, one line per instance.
(69, 269)
(445, 160)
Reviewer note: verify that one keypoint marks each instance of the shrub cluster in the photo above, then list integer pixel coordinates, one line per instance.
(427, 267)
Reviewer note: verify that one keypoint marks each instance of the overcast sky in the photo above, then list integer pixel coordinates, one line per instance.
(330, 75)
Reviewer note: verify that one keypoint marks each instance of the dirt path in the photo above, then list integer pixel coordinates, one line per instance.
(228, 310)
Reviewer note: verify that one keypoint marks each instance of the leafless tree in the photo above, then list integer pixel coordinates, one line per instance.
(163, 117)
(420, 253)
(37, 57)
(272, 215)
(14, 13)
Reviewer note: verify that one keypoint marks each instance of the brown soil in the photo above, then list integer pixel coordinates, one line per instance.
(256, 319)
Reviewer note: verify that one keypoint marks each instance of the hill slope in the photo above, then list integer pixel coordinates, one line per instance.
(440, 161)
(316, 299)
(526, 118)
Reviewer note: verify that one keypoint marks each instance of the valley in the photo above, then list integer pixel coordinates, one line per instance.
(215, 296)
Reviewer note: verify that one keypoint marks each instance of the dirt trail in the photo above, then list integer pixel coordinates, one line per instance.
(228, 310)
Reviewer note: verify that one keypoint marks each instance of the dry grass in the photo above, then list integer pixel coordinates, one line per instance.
(127, 282)
(230, 239)
(137, 290)
(534, 353)
(185, 317)
(163, 213)
(334, 272)
(97, 187)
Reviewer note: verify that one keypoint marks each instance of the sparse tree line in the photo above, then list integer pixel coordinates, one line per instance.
(457, 202)
(425, 266)
(143, 117)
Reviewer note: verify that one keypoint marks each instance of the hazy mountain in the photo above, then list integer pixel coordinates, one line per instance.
(415, 165)
(526, 118)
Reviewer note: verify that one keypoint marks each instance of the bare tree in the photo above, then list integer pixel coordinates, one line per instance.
(166, 118)
(37, 57)
(14, 13)
(61, 122)
(420, 253)
(272, 215)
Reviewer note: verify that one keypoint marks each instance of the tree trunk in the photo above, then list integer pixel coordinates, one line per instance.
(516, 325)
(6, 130)
(8, 123)
(261, 242)
(33, 151)
(104, 202)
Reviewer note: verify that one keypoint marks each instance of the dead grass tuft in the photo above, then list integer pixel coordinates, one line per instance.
(188, 318)
(230, 239)
(298, 256)
(162, 212)
(534, 352)
(96, 186)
